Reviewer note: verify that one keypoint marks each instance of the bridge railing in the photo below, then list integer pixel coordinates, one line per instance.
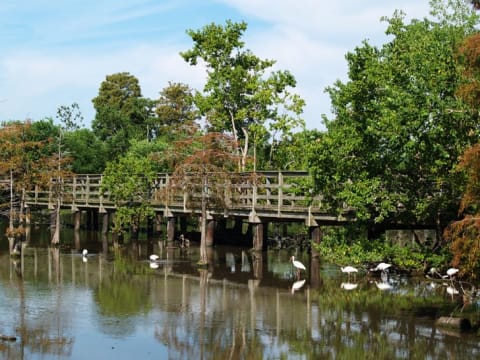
(267, 190)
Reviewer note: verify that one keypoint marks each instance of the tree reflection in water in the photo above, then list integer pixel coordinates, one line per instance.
(57, 304)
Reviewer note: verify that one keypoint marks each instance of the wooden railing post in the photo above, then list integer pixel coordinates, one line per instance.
(280, 193)
(87, 187)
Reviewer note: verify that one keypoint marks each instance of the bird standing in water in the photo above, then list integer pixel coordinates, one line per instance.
(297, 265)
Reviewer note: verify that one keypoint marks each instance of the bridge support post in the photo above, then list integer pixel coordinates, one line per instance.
(77, 217)
(53, 223)
(257, 232)
(28, 216)
(209, 239)
(105, 224)
(158, 223)
(316, 237)
(170, 229)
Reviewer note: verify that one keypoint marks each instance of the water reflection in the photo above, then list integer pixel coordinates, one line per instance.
(245, 305)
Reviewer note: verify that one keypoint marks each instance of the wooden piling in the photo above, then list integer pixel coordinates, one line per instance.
(210, 232)
(170, 229)
(257, 236)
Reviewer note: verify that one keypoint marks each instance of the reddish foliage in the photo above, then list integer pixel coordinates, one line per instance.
(464, 237)
(469, 56)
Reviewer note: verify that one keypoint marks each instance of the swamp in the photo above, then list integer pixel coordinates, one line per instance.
(114, 302)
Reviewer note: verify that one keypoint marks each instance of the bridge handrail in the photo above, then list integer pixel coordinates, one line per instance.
(269, 190)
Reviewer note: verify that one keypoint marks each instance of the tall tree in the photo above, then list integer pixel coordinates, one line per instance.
(175, 113)
(20, 165)
(242, 96)
(204, 170)
(122, 113)
(398, 126)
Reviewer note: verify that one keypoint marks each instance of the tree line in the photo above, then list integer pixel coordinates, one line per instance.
(401, 146)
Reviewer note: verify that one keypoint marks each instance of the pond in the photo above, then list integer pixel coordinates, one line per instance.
(113, 303)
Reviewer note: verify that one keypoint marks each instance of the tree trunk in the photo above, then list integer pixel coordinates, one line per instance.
(203, 224)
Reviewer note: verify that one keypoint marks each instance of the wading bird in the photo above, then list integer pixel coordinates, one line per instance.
(381, 267)
(154, 261)
(84, 255)
(451, 273)
(297, 265)
(349, 270)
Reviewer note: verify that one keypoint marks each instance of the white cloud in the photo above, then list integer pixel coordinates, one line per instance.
(35, 84)
(309, 38)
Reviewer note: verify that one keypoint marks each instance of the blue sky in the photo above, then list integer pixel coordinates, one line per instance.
(57, 52)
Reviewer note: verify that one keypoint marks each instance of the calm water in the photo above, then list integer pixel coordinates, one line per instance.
(114, 305)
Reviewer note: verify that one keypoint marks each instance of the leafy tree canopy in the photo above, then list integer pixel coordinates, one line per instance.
(128, 182)
(175, 112)
(241, 96)
(398, 126)
(88, 153)
(122, 113)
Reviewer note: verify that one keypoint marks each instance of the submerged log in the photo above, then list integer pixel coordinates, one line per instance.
(454, 323)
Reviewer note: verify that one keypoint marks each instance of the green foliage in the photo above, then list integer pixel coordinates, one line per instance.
(122, 114)
(337, 248)
(398, 126)
(46, 132)
(289, 153)
(240, 97)
(175, 113)
(88, 153)
(128, 183)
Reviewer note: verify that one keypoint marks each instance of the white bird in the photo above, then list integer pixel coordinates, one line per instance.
(348, 286)
(298, 265)
(297, 285)
(154, 257)
(451, 272)
(433, 271)
(349, 269)
(381, 267)
(84, 252)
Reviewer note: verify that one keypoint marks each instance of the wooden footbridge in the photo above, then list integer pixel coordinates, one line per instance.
(258, 198)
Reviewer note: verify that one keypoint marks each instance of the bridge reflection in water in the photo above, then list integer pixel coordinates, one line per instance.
(242, 306)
